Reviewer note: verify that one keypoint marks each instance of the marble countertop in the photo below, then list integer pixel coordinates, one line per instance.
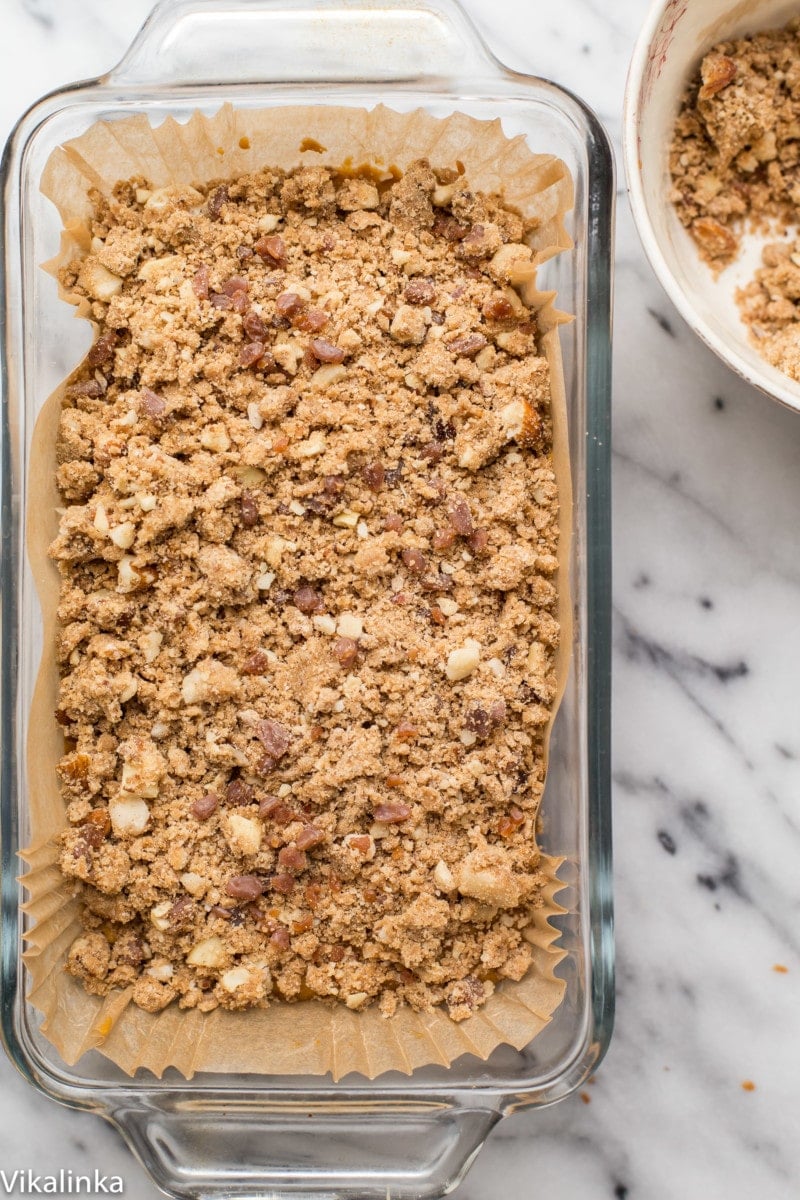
(706, 728)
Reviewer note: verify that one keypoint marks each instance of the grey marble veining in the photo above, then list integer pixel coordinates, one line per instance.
(706, 720)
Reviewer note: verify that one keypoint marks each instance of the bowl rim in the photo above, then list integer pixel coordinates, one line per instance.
(789, 397)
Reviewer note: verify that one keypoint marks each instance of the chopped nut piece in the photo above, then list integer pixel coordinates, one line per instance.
(249, 510)
(283, 883)
(242, 834)
(99, 283)
(361, 843)
(195, 884)
(374, 476)
(272, 249)
(512, 264)
(346, 650)
(254, 327)
(162, 972)
(478, 542)
(406, 732)
(449, 228)
(391, 814)
(204, 806)
(250, 354)
(152, 405)
(420, 291)
(101, 520)
(280, 939)
(326, 352)
(482, 722)
(239, 793)
(256, 664)
(209, 681)
(460, 517)
(718, 71)
(309, 837)
(128, 579)
(328, 375)
(215, 437)
(200, 282)
(129, 816)
(152, 645)
(443, 539)
(238, 977)
(307, 600)
(274, 737)
(143, 768)
(467, 346)
(714, 239)
(209, 953)
(102, 351)
(244, 887)
(268, 806)
(409, 326)
(415, 560)
(462, 662)
(346, 520)
(443, 876)
(324, 624)
(487, 875)
(292, 859)
(159, 915)
(289, 304)
(124, 535)
(217, 201)
(350, 626)
(312, 446)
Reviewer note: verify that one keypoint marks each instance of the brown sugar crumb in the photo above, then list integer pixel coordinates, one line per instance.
(307, 621)
(748, 1085)
(735, 165)
(780, 969)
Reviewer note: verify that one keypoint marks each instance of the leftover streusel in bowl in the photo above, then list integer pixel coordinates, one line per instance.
(709, 152)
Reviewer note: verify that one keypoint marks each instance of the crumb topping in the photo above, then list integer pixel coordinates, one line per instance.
(735, 164)
(307, 618)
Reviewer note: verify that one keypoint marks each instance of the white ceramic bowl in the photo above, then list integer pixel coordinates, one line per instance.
(674, 39)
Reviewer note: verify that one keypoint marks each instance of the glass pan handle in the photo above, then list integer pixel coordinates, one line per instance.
(194, 42)
(239, 1153)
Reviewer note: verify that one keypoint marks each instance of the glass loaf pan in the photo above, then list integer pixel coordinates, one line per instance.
(399, 1136)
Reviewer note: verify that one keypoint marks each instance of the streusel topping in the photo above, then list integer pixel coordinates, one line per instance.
(307, 619)
(735, 165)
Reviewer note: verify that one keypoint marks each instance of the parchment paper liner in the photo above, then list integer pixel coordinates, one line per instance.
(309, 1037)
